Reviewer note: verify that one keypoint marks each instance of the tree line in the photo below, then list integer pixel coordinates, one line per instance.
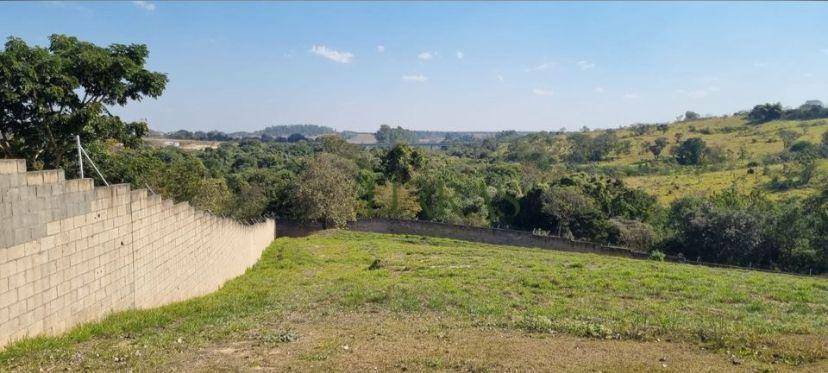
(544, 182)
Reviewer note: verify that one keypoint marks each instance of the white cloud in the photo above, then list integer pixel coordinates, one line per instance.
(460, 55)
(500, 78)
(425, 56)
(336, 56)
(380, 49)
(586, 65)
(541, 67)
(543, 92)
(824, 50)
(599, 90)
(760, 64)
(145, 5)
(631, 96)
(419, 78)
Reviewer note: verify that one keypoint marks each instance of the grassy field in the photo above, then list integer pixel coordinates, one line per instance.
(342, 300)
(731, 134)
(670, 187)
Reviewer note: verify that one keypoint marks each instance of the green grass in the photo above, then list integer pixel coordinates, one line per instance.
(759, 316)
(680, 184)
(731, 135)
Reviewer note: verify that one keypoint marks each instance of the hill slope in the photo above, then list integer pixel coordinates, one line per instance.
(341, 300)
(740, 141)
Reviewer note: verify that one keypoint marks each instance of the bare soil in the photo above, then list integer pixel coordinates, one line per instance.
(383, 342)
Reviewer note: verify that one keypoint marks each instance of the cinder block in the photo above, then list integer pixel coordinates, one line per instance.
(11, 166)
(34, 178)
(53, 228)
(85, 185)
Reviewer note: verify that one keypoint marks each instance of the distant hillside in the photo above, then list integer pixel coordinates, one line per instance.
(741, 153)
(429, 137)
(754, 155)
(307, 130)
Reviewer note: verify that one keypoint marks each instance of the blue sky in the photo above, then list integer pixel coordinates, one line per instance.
(451, 66)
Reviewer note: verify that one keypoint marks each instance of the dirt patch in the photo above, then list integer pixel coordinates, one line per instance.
(383, 342)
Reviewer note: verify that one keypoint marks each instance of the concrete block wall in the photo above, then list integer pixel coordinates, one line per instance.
(72, 253)
(209, 250)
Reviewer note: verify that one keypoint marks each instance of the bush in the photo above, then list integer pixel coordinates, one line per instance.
(723, 233)
(691, 151)
(657, 255)
(749, 230)
(806, 148)
(632, 234)
(564, 211)
(765, 113)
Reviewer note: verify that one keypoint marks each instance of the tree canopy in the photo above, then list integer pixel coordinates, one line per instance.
(49, 94)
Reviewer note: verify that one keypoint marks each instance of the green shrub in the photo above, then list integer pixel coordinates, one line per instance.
(657, 255)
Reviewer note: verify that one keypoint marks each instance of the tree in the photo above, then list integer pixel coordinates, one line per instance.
(396, 202)
(48, 95)
(302, 129)
(691, 151)
(296, 137)
(390, 136)
(400, 162)
(691, 115)
(788, 137)
(169, 172)
(586, 148)
(798, 173)
(632, 233)
(563, 210)
(811, 109)
(825, 144)
(326, 191)
(452, 191)
(765, 113)
(657, 146)
(724, 234)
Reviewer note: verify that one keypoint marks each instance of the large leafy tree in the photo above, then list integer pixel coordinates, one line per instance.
(400, 162)
(565, 211)
(326, 191)
(49, 94)
(398, 165)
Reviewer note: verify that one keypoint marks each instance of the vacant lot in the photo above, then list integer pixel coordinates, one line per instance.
(355, 301)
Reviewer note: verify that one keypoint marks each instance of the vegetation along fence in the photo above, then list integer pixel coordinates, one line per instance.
(495, 236)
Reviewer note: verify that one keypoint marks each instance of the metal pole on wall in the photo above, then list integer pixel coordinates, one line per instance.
(80, 156)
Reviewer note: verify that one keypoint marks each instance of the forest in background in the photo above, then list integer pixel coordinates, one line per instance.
(771, 211)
